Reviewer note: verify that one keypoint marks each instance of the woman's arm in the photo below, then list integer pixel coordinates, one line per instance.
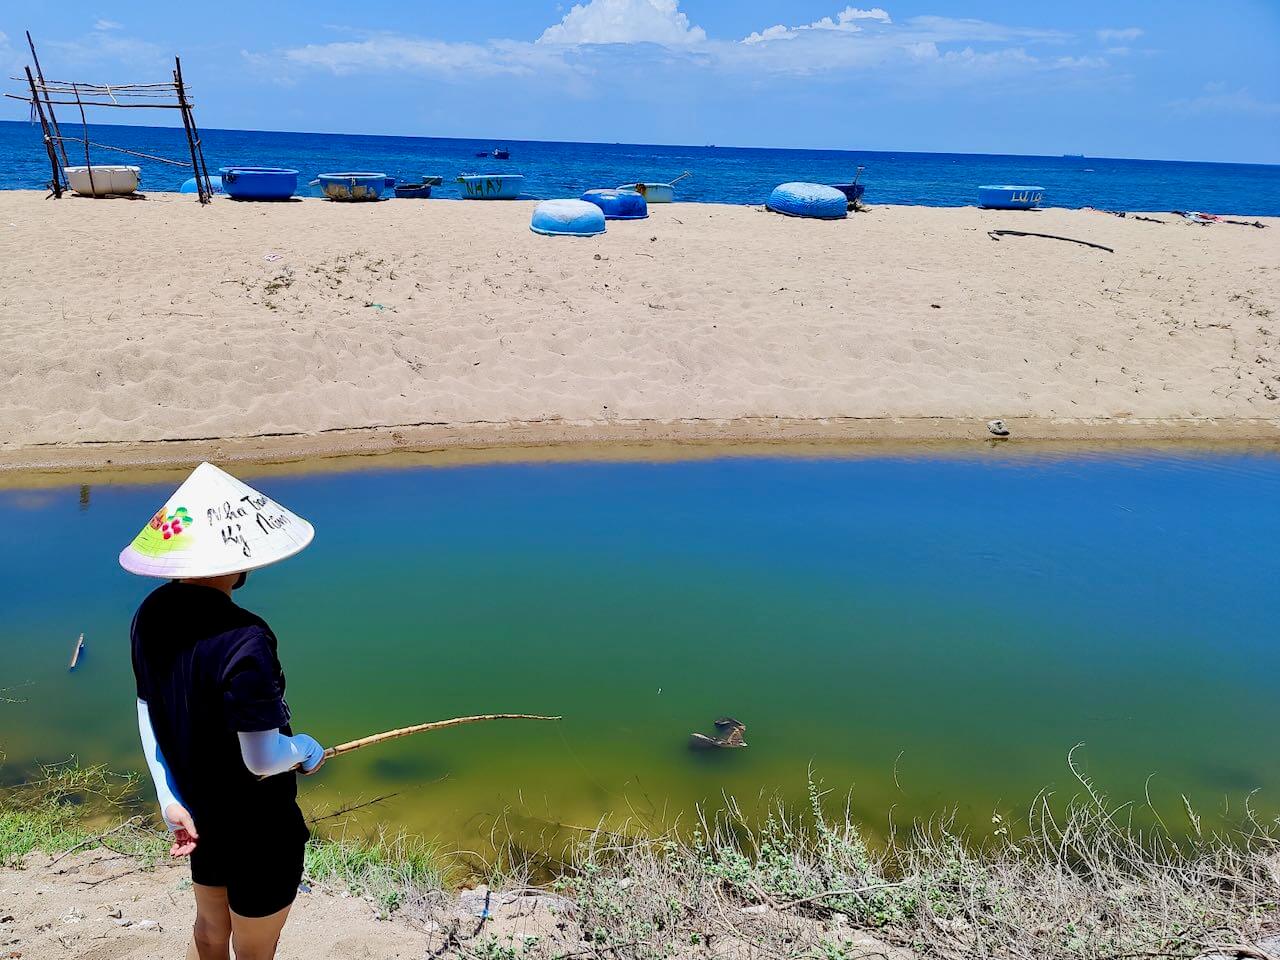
(269, 752)
(166, 789)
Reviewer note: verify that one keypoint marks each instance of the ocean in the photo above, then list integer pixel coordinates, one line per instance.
(720, 174)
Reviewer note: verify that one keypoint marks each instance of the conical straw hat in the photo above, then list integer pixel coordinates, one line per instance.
(215, 525)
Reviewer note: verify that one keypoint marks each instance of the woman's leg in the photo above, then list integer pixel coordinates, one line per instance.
(211, 936)
(255, 938)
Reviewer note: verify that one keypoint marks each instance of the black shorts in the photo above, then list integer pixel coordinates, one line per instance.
(261, 874)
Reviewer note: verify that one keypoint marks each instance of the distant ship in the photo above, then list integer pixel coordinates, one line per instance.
(498, 153)
(1073, 156)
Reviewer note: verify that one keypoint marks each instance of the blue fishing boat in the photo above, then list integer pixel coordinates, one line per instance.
(418, 191)
(853, 191)
(814, 201)
(491, 186)
(567, 218)
(259, 183)
(348, 186)
(189, 185)
(1010, 197)
(618, 204)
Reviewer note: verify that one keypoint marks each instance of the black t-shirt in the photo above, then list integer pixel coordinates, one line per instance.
(208, 669)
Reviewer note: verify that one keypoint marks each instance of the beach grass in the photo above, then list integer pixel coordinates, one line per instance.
(389, 869)
(1076, 879)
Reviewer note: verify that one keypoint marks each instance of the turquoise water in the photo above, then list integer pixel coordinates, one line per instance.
(721, 174)
(931, 633)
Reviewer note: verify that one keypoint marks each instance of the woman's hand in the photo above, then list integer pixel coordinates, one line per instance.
(184, 830)
(315, 756)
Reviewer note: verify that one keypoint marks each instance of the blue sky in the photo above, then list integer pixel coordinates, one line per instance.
(1171, 79)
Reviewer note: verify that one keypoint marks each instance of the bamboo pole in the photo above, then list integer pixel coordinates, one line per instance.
(185, 109)
(424, 728)
(57, 132)
(56, 184)
(93, 187)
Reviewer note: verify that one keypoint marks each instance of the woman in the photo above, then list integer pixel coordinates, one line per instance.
(212, 714)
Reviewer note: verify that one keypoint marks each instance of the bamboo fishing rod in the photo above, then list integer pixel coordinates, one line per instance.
(369, 741)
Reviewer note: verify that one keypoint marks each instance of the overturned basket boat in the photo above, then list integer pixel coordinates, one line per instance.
(813, 201)
(567, 218)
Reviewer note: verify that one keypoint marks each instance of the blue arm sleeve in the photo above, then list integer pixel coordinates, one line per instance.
(166, 789)
(268, 752)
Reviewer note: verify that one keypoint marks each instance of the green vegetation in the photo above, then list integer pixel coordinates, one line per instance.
(1076, 880)
(390, 870)
(65, 807)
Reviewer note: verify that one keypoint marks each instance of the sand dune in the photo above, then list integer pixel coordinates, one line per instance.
(146, 320)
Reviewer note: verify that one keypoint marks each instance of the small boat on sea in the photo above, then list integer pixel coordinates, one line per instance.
(657, 192)
(348, 186)
(497, 153)
(1010, 197)
(259, 183)
(491, 186)
(103, 180)
(418, 191)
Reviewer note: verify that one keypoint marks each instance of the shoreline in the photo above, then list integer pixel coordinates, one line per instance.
(556, 441)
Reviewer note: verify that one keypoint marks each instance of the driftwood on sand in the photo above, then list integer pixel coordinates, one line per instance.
(997, 234)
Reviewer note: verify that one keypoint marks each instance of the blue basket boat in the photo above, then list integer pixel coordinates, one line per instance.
(259, 183)
(812, 200)
(853, 192)
(418, 191)
(189, 185)
(619, 204)
(1010, 198)
(491, 187)
(348, 186)
(567, 218)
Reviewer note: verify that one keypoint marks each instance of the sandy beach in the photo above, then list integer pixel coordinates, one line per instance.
(155, 330)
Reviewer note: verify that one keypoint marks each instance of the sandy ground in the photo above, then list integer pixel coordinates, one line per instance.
(97, 906)
(425, 324)
(94, 905)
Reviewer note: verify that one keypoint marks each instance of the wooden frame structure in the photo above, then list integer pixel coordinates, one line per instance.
(43, 95)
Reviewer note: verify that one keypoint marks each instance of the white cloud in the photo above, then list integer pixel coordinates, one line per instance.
(1119, 35)
(625, 21)
(1217, 98)
(853, 39)
(391, 52)
(101, 46)
(845, 21)
(108, 25)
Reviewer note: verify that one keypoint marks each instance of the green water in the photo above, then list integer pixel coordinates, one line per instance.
(932, 634)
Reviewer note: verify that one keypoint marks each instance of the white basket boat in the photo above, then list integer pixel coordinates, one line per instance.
(107, 180)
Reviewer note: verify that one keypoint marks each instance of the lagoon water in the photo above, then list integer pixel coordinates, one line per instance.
(721, 174)
(931, 633)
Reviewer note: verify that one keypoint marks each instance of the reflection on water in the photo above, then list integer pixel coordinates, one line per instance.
(933, 634)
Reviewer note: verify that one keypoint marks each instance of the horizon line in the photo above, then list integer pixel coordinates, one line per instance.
(606, 143)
